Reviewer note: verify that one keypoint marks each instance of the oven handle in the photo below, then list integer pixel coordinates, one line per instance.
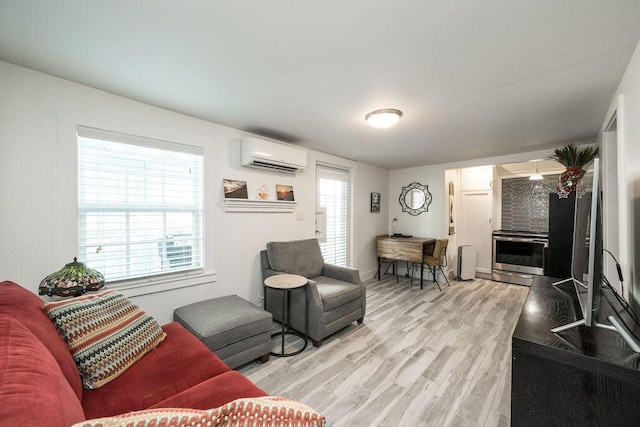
(521, 239)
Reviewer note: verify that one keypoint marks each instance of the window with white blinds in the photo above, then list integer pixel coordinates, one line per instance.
(333, 202)
(139, 205)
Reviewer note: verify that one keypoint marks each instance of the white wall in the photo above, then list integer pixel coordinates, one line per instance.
(37, 214)
(370, 179)
(627, 104)
(428, 224)
(435, 222)
(241, 236)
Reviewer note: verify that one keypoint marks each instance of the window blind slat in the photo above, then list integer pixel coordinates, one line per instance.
(333, 196)
(139, 205)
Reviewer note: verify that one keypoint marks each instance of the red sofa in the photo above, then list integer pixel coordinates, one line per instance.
(40, 384)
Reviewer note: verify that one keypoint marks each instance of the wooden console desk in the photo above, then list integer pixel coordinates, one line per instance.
(579, 377)
(411, 249)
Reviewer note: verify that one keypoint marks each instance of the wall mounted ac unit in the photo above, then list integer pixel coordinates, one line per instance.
(258, 153)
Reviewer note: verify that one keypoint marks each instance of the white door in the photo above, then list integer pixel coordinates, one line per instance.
(475, 227)
(332, 214)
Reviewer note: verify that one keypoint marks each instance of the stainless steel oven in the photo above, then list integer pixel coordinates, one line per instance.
(518, 256)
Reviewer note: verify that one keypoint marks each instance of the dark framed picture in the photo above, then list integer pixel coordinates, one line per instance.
(284, 192)
(375, 202)
(234, 189)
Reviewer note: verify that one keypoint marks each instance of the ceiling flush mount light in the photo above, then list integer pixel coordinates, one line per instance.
(384, 118)
(536, 175)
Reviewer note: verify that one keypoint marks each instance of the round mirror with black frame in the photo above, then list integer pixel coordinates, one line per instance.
(415, 198)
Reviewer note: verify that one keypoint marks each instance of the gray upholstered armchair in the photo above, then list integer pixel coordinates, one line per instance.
(336, 294)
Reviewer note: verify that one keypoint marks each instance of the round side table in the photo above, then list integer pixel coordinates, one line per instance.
(286, 283)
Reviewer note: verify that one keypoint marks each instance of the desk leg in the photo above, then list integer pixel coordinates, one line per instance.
(421, 273)
(395, 269)
(379, 265)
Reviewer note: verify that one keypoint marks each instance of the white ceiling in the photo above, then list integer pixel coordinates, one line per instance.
(474, 78)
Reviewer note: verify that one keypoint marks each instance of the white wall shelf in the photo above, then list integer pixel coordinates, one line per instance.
(246, 205)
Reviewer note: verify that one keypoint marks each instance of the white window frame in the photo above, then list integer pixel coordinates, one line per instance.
(95, 205)
(349, 204)
(64, 218)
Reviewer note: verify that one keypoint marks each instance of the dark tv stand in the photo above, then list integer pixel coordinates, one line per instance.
(581, 377)
(614, 325)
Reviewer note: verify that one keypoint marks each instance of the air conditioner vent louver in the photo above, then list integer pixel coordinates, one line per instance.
(258, 153)
(279, 167)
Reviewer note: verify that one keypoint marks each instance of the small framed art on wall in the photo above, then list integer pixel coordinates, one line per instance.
(375, 202)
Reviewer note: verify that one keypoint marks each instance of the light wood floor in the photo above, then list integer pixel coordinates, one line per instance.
(421, 358)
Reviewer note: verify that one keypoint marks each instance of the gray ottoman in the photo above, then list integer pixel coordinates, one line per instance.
(234, 329)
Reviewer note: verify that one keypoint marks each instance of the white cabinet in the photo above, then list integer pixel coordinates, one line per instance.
(477, 178)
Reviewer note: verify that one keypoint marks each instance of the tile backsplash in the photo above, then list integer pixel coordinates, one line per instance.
(525, 203)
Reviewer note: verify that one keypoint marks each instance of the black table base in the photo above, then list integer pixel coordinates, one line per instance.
(286, 322)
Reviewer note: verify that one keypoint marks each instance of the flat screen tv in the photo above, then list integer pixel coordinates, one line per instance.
(586, 262)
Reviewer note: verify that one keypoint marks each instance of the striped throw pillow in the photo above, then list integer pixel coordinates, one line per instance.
(106, 334)
(255, 412)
